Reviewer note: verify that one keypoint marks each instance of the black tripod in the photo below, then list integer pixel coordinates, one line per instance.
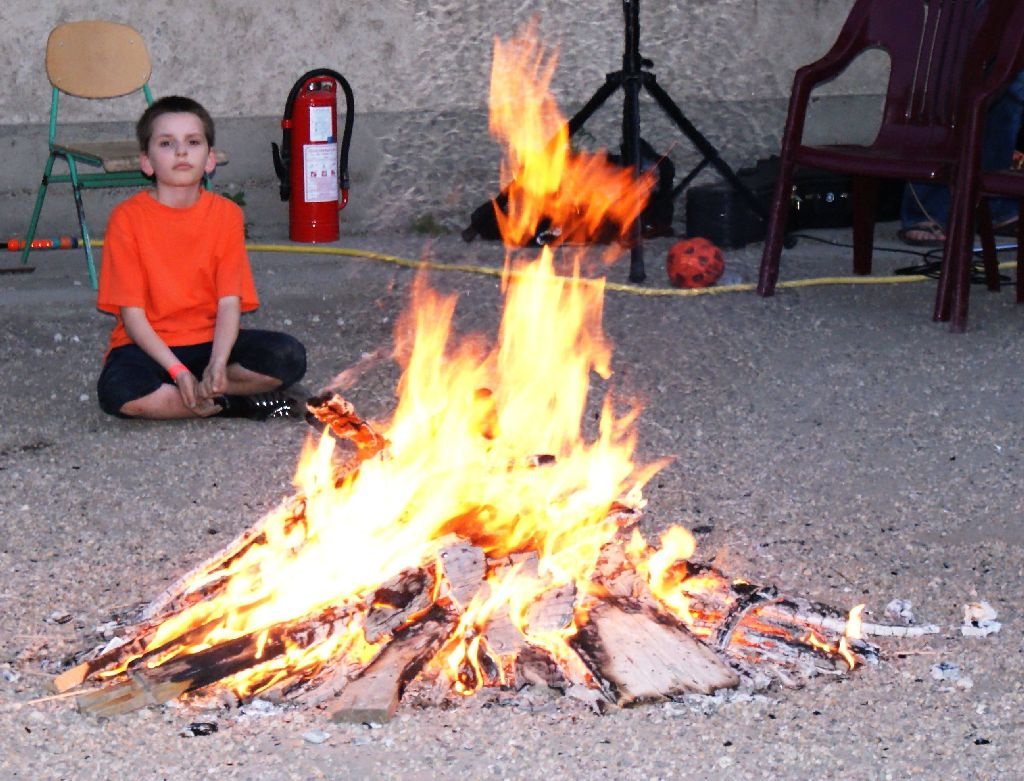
(631, 78)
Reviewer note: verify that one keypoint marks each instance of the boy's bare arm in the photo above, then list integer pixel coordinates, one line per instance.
(225, 332)
(140, 331)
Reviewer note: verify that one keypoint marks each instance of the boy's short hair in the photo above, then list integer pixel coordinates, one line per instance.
(171, 104)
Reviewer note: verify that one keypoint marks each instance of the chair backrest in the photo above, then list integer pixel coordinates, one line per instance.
(97, 59)
(937, 48)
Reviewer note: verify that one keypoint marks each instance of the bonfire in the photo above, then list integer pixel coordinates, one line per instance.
(482, 539)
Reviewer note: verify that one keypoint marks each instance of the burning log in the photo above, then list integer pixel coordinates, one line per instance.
(465, 567)
(638, 655)
(535, 666)
(825, 619)
(196, 670)
(401, 599)
(332, 411)
(375, 694)
(405, 602)
(553, 610)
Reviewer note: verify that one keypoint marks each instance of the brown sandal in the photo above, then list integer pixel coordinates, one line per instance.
(923, 234)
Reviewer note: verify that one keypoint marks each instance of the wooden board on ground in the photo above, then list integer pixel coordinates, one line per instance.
(373, 697)
(640, 656)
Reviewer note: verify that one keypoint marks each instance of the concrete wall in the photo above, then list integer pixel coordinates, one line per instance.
(421, 153)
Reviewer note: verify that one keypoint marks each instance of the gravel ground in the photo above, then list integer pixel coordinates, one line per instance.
(831, 440)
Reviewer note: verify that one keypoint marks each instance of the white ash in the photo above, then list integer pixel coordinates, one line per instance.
(316, 736)
(979, 620)
(900, 610)
(950, 671)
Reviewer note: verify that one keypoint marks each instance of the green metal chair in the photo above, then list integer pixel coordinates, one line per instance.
(95, 60)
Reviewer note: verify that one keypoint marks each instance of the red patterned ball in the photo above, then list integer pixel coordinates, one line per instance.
(694, 262)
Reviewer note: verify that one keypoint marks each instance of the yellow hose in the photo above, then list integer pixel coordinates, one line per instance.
(616, 286)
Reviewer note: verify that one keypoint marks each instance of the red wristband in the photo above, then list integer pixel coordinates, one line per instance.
(175, 370)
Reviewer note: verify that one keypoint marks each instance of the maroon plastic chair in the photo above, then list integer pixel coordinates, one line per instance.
(955, 281)
(937, 48)
(975, 186)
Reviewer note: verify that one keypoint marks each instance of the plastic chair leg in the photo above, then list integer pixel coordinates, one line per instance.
(37, 209)
(1020, 254)
(770, 257)
(80, 208)
(988, 246)
(960, 255)
(865, 193)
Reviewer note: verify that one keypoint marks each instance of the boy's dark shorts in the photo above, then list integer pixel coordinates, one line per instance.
(128, 373)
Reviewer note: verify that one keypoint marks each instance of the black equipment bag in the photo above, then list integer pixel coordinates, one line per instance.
(821, 199)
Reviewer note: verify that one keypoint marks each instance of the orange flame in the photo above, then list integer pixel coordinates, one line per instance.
(581, 196)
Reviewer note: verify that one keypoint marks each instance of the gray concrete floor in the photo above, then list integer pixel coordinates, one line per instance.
(832, 440)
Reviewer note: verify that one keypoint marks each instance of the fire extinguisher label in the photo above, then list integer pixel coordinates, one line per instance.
(320, 164)
(320, 123)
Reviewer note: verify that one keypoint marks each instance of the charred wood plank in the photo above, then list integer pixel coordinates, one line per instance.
(464, 566)
(210, 665)
(638, 655)
(138, 649)
(553, 610)
(373, 696)
(535, 666)
(739, 610)
(339, 415)
(401, 599)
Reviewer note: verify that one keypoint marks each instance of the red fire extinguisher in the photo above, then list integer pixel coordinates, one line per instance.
(313, 175)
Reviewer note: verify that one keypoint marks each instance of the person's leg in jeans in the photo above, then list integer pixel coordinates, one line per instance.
(269, 354)
(926, 206)
(1002, 124)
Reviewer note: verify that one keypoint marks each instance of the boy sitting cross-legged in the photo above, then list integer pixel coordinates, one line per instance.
(176, 276)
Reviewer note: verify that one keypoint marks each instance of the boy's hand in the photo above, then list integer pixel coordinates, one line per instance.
(188, 388)
(215, 380)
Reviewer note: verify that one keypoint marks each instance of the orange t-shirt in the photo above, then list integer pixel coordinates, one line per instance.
(176, 264)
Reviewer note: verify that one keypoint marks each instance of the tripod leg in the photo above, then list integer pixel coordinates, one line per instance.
(631, 154)
(704, 146)
(612, 83)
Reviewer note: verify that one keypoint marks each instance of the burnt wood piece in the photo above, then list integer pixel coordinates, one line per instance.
(535, 666)
(338, 414)
(502, 635)
(825, 618)
(80, 673)
(210, 665)
(141, 637)
(402, 598)
(614, 571)
(465, 567)
(373, 697)
(553, 610)
(746, 602)
(638, 655)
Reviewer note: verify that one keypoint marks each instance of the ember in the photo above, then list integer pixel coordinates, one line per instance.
(479, 539)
